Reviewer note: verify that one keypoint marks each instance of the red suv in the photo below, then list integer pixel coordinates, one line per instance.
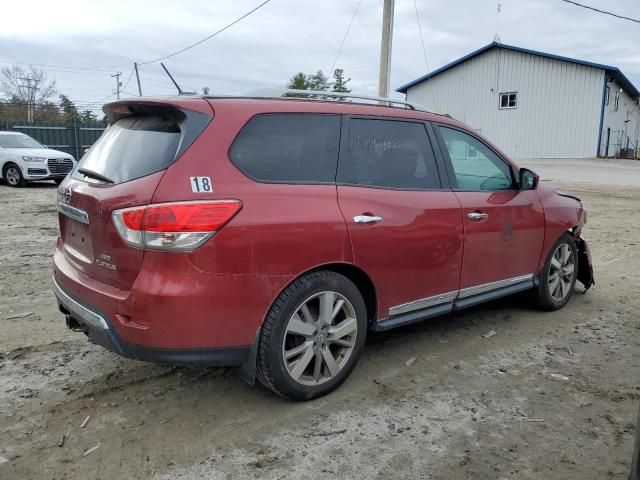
(272, 234)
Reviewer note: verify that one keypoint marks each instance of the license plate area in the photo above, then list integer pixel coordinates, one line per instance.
(76, 238)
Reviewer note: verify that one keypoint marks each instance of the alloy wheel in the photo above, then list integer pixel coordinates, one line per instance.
(561, 272)
(319, 338)
(13, 176)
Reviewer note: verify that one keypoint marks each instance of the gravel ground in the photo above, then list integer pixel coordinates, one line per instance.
(551, 395)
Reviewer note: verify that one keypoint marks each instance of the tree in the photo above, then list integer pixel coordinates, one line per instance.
(339, 83)
(47, 112)
(298, 82)
(88, 117)
(319, 81)
(26, 85)
(205, 90)
(68, 110)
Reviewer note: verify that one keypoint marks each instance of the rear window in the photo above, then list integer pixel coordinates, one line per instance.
(133, 147)
(288, 148)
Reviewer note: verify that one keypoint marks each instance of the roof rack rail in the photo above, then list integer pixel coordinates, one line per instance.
(324, 95)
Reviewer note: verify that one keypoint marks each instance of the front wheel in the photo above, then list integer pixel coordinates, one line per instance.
(312, 337)
(13, 176)
(558, 275)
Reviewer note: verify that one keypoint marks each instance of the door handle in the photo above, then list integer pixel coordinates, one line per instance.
(477, 216)
(367, 219)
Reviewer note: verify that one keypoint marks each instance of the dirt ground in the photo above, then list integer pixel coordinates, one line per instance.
(467, 407)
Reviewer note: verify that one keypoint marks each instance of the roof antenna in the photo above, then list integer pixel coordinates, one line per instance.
(172, 79)
(497, 37)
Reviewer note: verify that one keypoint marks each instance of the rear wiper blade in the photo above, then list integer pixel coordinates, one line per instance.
(92, 174)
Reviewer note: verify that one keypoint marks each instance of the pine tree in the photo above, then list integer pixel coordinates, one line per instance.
(299, 82)
(319, 81)
(68, 109)
(340, 84)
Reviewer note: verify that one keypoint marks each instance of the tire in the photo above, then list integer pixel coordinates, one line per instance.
(295, 337)
(58, 180)
(551, 295)
(13, 176)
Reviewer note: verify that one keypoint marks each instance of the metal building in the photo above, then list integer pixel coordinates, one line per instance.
(534, 104)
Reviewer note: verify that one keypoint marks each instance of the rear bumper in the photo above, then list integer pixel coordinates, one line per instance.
(172, 313)
(98, 327)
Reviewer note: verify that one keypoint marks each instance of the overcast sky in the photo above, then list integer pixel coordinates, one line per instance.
(288, 36)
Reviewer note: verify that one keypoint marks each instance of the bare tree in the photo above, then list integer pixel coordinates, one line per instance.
(26, 85)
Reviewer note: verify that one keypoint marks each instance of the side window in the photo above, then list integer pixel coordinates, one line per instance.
(390, 154)
(295, 148)
(475, 165)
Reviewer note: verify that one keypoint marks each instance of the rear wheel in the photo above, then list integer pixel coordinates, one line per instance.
(313, 336)
(558, 276)
(13, 176)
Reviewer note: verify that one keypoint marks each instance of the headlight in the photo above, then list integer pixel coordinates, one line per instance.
(33, 159)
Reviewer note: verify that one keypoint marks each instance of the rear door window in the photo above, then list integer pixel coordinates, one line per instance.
(390, 154)
(133, 147)
(288, 148)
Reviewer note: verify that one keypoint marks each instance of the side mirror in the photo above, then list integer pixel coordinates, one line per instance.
(528, 179)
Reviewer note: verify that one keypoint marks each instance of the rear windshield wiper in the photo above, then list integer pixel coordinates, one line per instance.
(92, 174)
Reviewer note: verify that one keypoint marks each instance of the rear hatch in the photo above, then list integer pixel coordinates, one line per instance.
(122, 169)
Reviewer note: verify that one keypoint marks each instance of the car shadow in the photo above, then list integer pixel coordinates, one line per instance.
(43, 185)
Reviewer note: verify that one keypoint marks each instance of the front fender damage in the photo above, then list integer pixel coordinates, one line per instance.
(585, 267)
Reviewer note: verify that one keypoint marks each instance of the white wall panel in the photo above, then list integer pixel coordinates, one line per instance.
(559, 103)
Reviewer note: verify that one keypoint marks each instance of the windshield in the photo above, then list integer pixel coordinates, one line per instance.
(18, 141)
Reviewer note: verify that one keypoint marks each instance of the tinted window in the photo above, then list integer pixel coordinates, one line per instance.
(288, 148)
(390, 153)
(133, 147)
(475, 165)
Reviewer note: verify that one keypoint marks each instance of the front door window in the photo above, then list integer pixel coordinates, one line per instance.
(475, 166)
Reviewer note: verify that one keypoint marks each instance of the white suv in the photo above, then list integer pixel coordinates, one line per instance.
(23, 159)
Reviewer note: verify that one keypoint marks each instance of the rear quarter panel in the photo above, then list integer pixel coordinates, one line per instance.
(281, 231)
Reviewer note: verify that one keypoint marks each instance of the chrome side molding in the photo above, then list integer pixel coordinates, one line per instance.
(450, 297)
(423, 303)
(73, 213)
(470, 291)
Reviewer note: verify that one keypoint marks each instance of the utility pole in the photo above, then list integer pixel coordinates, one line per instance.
(118, 84)
(135, 66)
(385, 48)
(31, 96)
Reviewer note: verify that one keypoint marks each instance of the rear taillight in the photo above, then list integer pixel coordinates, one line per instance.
(175, 226)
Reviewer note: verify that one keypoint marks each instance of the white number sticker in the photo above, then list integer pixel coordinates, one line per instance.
(201, 184)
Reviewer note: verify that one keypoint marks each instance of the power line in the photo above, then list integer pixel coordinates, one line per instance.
(601, 11)
(209, 37)
(78, 69)
(128, 79)
(424, 49)
(346, 34)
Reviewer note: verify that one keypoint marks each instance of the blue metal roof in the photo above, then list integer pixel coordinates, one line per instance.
(614, 72)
